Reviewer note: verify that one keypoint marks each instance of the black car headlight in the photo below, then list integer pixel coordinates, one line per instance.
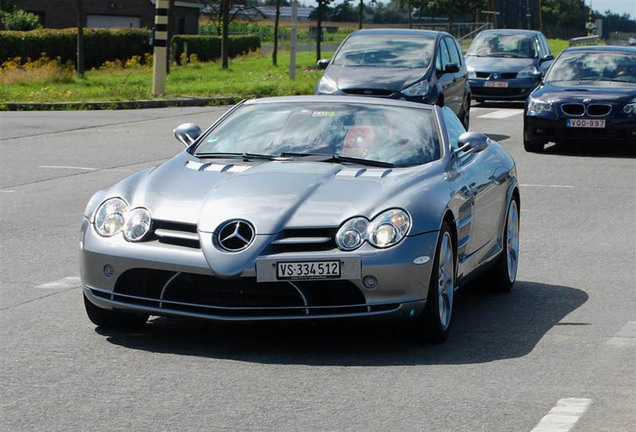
(327, 86)
(385, 230)
(536, 106)
(114, 216)
(420, 88)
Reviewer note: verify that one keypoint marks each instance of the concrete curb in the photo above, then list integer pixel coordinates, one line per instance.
(117, 105)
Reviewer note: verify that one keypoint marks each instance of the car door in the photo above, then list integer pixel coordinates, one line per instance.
(451, 91)
(478, 174)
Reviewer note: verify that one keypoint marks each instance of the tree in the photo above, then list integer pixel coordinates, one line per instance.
(276, 20)
(453, 8)
(322, 5)
(224, 12)
(567, 18)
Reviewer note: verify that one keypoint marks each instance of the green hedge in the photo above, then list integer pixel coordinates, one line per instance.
(100, 45)
(209, 47)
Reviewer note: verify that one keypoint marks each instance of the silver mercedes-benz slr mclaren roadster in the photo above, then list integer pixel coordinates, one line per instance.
(312, 208)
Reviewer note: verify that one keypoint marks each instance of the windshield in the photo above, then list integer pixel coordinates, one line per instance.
(594, 66)
(394, 135)
(386, 50)
(503, 45)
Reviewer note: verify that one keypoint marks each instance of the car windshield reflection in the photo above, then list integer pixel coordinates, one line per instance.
(503, 45)
(594, 66)
(382, 50)
(343, 133)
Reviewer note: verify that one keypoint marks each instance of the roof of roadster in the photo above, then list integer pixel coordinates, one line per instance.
(365, 100)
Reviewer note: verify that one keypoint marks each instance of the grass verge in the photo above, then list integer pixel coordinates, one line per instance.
(248, 76)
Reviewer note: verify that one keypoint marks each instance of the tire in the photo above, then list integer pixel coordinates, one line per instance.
(434, 323)
(465, 116)
(112, 319)
(504, 272)
(533, 146)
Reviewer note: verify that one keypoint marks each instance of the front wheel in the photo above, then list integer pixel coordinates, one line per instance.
(504, 273)
(435, 321)
(112, 319)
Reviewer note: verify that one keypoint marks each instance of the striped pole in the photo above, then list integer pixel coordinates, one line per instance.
(160, 48)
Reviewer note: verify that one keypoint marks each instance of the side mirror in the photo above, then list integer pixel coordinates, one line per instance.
(451, 68)
(323, 63)
(549, 57)
(187, 133)
(471, 142)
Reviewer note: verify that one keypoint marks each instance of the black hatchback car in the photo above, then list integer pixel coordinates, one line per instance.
(414, 65)
(589, 94)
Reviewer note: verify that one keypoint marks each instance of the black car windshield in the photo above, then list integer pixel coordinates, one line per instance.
(399, 136)
(503, 45)
(386, 50)
(613, 66)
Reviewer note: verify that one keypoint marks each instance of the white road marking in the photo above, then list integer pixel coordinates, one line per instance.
(7, 191)
(68, 167)
(67, 282)
(501, 114)
(546, 186)
(626, 337)
(563, 416)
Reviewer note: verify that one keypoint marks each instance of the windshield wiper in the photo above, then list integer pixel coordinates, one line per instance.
(336, 158)
(244, 156)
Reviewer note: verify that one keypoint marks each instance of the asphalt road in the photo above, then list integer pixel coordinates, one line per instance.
(556, 354)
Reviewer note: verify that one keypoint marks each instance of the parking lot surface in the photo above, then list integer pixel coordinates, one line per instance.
(558, 353)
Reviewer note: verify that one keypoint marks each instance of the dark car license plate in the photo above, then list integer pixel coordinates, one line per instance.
(308, 269)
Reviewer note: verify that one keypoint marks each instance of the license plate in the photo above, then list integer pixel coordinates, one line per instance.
(586, 123)
(497, 84)
(308, 270)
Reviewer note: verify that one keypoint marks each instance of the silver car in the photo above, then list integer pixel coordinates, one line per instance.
(313, 207)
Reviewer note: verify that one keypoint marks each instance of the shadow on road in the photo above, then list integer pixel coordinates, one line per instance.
(486, 327)
(499, 105)
(589, 149)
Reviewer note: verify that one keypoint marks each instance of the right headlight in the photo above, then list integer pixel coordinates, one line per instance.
(327, 86)
(536, 106)
(630, 108)
(110, 217)
(420, 88)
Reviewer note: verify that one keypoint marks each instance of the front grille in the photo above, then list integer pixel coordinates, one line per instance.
(304, 240)
(598, 110)
(208, 295)
(573, 109)
(502, 75)
(176, 233)
(369, 92)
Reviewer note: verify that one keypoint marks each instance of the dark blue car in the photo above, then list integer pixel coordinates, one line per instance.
(506, 64)
(589, 94)
(414, 65)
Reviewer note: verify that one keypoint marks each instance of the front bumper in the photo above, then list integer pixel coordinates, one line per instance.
(553, 128)
(516, 89)
(170, 280)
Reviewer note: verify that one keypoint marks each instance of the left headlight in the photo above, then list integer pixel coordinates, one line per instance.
(529, 72)
(630, 108)
(385, 230)
(388, 228)
(110, 217)
(420, 88)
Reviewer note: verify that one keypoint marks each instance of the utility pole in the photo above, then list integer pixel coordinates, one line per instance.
(361, 17)
(160, 42)
(80, 38)
(292, 36)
